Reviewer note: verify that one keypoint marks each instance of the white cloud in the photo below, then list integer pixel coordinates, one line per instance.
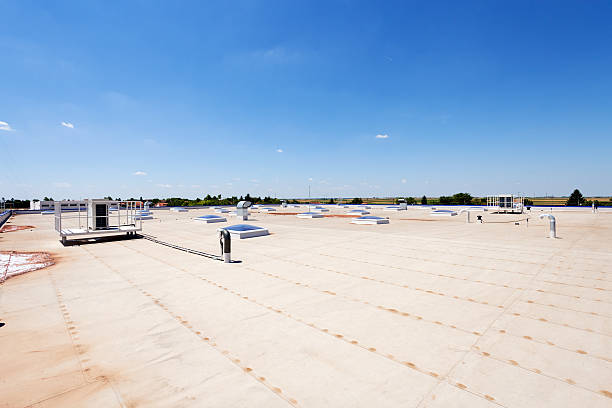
(165, 185)
(279, 150)
(139, 173)
(62, 184)
(404, 181)
(68, 125)
(5, 126)
(150, 142)
(276, 55)
(382, 136)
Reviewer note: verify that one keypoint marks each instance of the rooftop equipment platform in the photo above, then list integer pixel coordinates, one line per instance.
(370, 220)
(92, 219)
(246, 230)
(210, 218)
(506, 203)
(267, 209)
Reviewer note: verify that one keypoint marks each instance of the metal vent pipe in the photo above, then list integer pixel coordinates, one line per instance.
(552, 229)
(226, 245)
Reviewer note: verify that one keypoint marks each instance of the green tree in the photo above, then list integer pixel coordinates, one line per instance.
(424, 200)
(445, 200)
(410, 200)
(575, 198)
(331, 201)
(357, 200)
(462, 199)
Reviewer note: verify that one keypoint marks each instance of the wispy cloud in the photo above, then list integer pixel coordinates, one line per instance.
(385, 136)
(68, 125)
(279, 150)
(62, 184)
(276, 55)
(165, 185)
(150, 142)
(404, 181)
(6, 127)
(139, 173)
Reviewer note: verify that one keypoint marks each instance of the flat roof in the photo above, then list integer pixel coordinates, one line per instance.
(425, 312)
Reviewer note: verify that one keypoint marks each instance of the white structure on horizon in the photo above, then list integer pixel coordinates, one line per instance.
(506, 203)
(48, 205)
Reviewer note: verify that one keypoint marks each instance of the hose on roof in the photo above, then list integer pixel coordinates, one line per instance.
(180, 248)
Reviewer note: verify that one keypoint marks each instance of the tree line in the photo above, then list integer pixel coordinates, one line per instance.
(575, 199)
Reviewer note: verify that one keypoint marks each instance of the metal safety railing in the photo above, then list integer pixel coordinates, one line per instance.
(85, 218)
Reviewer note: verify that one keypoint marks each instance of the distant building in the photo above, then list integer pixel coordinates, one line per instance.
(48, 205)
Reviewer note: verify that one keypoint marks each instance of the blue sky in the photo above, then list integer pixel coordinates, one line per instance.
(162, 98)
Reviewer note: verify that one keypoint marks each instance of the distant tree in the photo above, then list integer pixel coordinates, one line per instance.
(47, 199)
(410, 200)
(575, 198)
(445, 200)
(424, 200)
(331, 201)
(528, 202)
(462, 199)
(357, 200)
